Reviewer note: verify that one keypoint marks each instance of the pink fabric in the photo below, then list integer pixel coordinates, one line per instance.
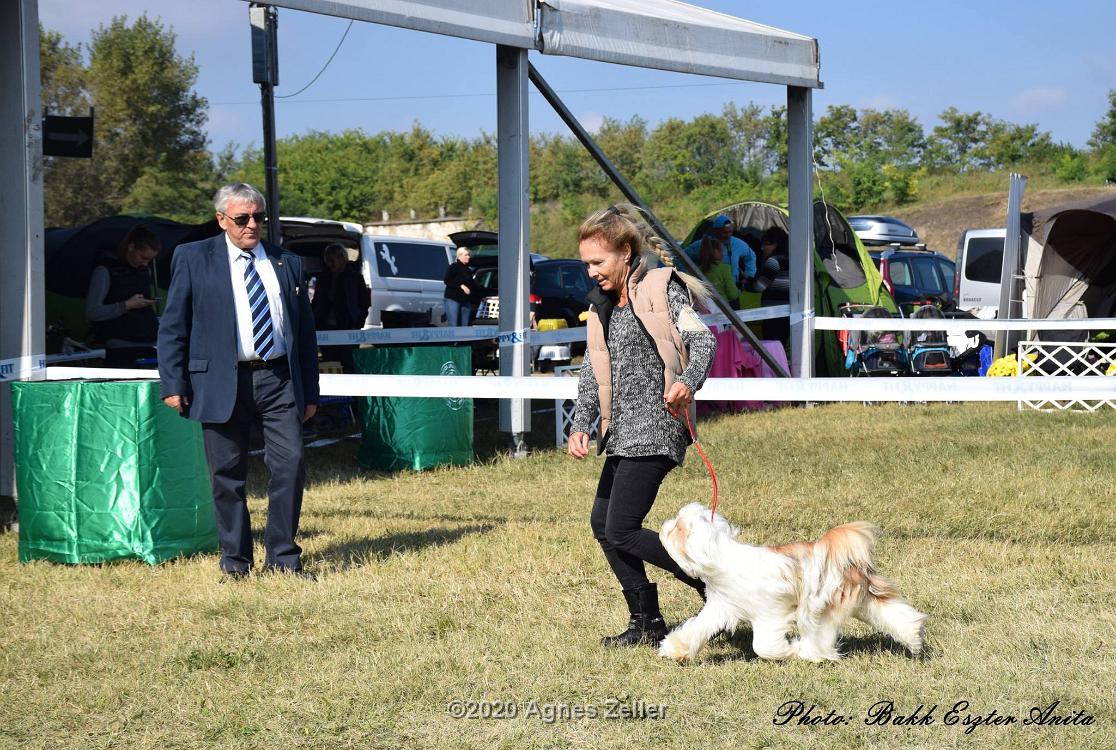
(736, 359)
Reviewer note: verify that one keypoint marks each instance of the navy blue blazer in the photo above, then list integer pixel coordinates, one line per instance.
(197, 331)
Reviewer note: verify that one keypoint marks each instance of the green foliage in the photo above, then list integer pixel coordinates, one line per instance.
(1104, 134)
(1106, 163)
(149, 153)
(953, 145)
(1072, 167)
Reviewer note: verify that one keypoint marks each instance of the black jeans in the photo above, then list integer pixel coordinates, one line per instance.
(625, 494)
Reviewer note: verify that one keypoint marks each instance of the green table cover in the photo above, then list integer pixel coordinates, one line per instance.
(415, 433)
(106, 471)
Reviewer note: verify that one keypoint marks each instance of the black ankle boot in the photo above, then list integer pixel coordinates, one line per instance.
(635, 621)
(654, 629)
(645, 623)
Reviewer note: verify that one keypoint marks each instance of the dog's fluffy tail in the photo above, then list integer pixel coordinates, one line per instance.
(850, 545)
(891, 614)
(848, 549)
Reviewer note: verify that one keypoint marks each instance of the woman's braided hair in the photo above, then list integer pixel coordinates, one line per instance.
(624, 224)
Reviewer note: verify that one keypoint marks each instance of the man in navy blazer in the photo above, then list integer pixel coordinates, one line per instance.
(236, 347)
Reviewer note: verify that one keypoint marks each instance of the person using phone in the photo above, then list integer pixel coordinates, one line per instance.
(121, 301)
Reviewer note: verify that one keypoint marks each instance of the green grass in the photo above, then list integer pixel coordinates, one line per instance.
(484, 583)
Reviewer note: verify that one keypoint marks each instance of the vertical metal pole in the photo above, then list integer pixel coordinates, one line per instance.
(265, 71)
(512, 135)
(800, 190)
(1010, 292)
(22, 330)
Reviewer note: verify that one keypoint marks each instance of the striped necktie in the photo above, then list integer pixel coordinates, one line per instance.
(263, 333)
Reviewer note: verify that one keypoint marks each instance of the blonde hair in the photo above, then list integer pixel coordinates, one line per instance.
(624, 224)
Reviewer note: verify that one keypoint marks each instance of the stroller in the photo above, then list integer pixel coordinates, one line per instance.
(873, 353)
(928, 352)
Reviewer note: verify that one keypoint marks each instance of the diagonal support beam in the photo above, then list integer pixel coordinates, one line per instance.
(630, 193)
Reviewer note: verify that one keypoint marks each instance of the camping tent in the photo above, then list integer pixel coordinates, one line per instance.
(1070, 269)
(843, 270)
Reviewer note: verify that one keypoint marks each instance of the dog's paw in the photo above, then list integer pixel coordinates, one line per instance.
(674, 648)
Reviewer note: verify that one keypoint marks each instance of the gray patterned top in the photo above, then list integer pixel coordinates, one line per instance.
(641, 425)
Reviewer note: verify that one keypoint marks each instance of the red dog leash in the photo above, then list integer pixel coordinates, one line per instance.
(705, 458)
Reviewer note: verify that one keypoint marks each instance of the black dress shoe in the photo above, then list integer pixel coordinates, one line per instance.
(232, 576)
(294, 572)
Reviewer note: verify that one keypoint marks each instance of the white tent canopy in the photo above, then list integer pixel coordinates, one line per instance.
(662, 34)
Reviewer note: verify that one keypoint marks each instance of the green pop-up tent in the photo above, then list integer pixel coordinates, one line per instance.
(843, 270)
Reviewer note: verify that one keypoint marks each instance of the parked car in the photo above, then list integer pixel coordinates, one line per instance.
(558, 289)
(980, 259)
(557, 292)
(883, 230)
(915, 273)
(405, 274)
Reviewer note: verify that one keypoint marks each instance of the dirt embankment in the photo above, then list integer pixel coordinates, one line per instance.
(939, 224)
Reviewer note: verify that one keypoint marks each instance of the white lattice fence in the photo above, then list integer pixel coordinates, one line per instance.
(564, 410)
(1053, 359)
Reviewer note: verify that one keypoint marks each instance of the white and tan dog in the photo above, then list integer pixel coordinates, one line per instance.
(814, 587)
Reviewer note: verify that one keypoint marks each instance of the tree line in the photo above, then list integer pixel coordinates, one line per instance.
(151, 154)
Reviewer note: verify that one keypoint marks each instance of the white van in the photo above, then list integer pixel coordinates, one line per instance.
(407, 278)
(404, 274)
(976, 275)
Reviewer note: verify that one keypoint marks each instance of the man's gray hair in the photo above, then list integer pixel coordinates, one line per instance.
(238, 191)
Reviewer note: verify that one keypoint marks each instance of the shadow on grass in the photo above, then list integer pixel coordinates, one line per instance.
(463, 517)
(337, 462)
(259, 527)
(356, 553)
(878, 643)
(739, 646)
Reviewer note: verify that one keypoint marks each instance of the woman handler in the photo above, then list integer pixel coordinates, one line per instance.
(648, 352)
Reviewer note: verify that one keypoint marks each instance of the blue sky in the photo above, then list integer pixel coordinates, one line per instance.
(1027, 62)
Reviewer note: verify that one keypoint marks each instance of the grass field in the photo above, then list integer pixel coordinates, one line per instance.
(484, 584)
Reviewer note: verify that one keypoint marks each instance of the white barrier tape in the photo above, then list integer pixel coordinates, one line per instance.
(451, 335)
(960, 324)
(559, 336)
(749, 316)
(447, 334)
(99, 373)
(1092, 388)
(21, 368)
(741, 389)
(75, 356)
(802, 316)
(507, 338)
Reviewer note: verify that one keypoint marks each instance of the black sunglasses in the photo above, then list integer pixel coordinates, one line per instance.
(242, 219)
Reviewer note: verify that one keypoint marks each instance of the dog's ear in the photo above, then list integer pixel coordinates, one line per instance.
(700, 540)
(722, 525)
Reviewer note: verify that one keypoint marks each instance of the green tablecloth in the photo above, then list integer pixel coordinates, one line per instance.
(415, 433)
(105, 471)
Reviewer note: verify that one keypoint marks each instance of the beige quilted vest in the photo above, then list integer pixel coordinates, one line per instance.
(647, 294)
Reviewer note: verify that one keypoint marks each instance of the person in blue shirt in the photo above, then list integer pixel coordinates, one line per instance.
(737, 253)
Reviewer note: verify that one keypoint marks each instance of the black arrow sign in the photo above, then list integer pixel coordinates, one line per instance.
(68, 136)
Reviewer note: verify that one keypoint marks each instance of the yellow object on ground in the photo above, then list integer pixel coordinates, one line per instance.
(552, 324)
(1006, 367)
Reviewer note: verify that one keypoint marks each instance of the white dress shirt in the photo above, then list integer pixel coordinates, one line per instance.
(245, 346)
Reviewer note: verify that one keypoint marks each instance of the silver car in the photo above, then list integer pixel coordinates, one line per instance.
(882, 230)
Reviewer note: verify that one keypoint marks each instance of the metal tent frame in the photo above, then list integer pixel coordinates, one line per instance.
(662, 34)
